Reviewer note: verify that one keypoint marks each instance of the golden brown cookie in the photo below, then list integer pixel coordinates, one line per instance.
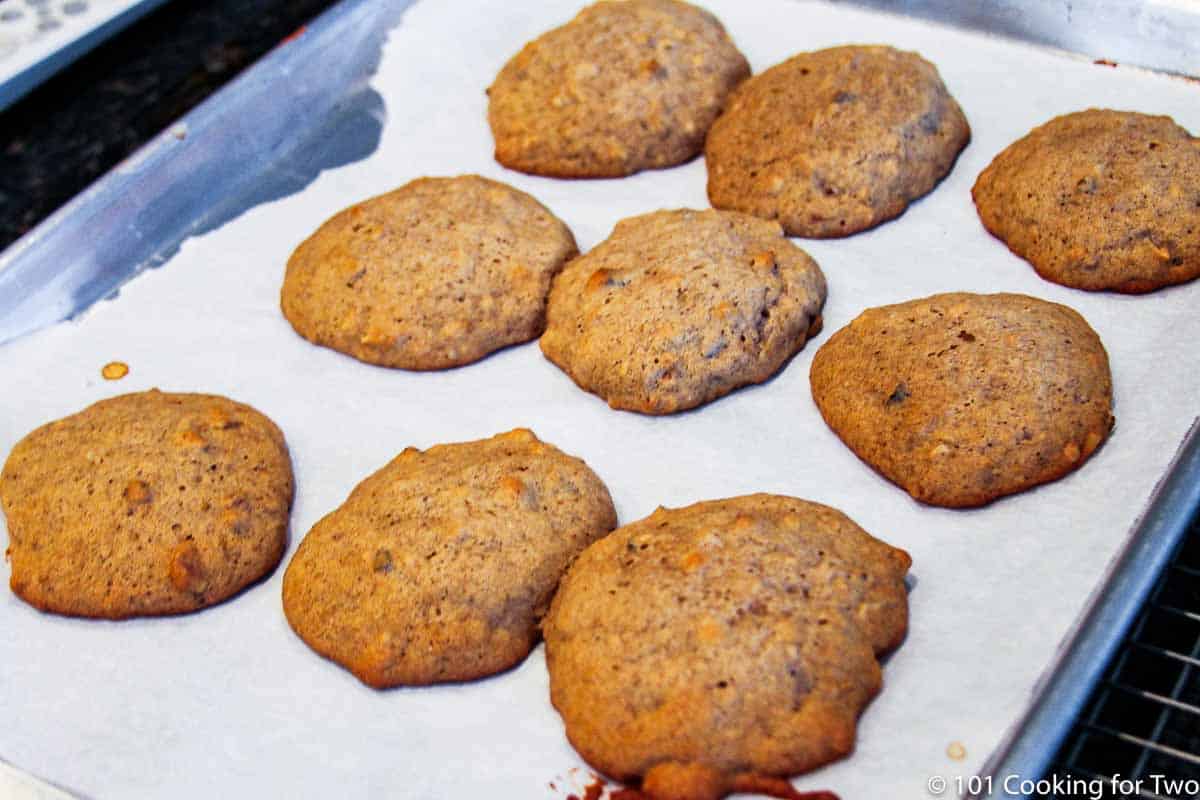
(624, 86)
(677, 308)
(440, 565)
(717, 647)
(1099, 200)
(963, 398)
(146, 504)
(835, 141)
(435, 274)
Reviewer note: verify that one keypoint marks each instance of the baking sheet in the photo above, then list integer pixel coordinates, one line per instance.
(229, 701)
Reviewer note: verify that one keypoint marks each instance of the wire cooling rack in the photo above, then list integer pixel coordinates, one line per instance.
(1139, 734)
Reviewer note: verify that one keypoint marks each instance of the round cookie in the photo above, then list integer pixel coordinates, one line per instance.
(1099, 200)
(439, 566)
(677, 308)
(962, 398)
(835, 141)
(146, 504)
(723, 646)
(435, 274)
(624, 86)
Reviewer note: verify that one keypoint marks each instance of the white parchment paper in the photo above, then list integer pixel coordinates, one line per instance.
(229, 702)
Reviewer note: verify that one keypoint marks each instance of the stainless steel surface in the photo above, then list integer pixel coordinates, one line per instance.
(303, 108)
(1031, 746)
(37, 39)
(1158, 34)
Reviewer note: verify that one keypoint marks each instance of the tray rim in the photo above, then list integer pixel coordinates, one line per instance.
(58, 50)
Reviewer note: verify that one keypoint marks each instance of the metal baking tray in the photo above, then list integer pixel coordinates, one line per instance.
(312, 110)
(303, 108)
(39, 38)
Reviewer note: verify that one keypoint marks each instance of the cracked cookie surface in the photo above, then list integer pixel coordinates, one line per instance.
(622, 87)
(963, 398)
(724, 645)
(835, 141)
(677, 308)
(1099, 200)
(146, 504)
(439, 566)
(435, 274)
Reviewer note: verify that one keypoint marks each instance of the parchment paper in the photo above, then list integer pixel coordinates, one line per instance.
(229, 702)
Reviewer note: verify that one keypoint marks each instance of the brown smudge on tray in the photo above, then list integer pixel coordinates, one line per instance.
(1104, 62)
(593, 791)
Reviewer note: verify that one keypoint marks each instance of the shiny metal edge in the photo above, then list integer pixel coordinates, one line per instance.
(1033, 741)
(41, 70)
(138, 214)
(1162, 35)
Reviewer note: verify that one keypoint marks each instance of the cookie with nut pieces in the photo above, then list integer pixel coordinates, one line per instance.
(436, 274)
(677, 308)
(624, 86)
(836, 141)
(963, 398)
(723, 646)
(440, 566)
(1099, 200)
(146, 504)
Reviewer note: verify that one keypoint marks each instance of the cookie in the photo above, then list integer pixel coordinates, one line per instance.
(1099, 200)
(963, 398)
(440, 565)
(677, 308)
(435, 274)
(835, 141)
(624, 86)
(723, 646)
(146, 504)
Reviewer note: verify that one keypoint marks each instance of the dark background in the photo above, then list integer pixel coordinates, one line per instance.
(74, 128)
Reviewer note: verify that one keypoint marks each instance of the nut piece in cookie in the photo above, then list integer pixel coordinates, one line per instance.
(439, 566)
(1099, 200)
(677, 308)
(835, 141)
(723, 646)
(624, 86)
(963, 398)
(435, 274)
(146, 504)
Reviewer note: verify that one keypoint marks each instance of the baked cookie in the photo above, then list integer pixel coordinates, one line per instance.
(677, 308)
(1099, 200)
(435, 274)
(624, 86)
(723, 646)
(963, 398)
(439, 566)
(146, 504)
(835, 141)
